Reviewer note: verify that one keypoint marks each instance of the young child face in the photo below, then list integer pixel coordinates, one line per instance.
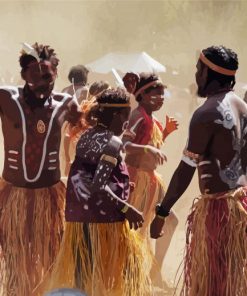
(154, 99)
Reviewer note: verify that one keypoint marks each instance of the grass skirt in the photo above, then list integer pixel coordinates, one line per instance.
(216, 251)
(31, 227)
(103, 259)
(149, 190)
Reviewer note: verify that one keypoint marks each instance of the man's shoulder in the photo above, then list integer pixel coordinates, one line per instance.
(67, 89)
(63, 99)
(9, 91)
(204, 114)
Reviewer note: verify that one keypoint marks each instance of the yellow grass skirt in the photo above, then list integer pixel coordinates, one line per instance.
(103, 259)
(31, 227)
(216, 251)
(149, 190)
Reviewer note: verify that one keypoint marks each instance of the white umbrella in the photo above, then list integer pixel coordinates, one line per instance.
(125, 62)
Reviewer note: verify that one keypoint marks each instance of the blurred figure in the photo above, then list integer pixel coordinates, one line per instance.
(97, 88)
(71, 133)
(78, 77)
(245, 97)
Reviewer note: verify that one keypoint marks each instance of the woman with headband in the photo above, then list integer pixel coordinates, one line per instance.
(143, 140)
(101, 254)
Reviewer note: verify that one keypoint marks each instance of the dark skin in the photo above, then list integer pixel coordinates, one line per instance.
(40, 79)
(152, 101)
(118, 121)
(184, 173)
(117, 126)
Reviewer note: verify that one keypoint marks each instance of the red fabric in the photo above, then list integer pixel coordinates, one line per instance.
(217, 238)
(144, 129)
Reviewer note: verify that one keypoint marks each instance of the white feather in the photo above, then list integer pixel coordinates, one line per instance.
(30, 50)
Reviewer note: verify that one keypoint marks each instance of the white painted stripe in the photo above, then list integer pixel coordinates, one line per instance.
(53, 152)
(13, 167)
(135, 125)
(13, 152)
(126, 143)
(206, 176)
(204, 162)
(52, 160)
(12, 159)
(189, 161)
(24, 131)
(51, 168)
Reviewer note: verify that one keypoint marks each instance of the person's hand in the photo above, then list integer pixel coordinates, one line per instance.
(157, 154)
(156, 227)
(134, 217)
(171, 126)
(132, 186)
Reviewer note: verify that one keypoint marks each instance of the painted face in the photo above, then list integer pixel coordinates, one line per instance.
(201, 79)
(154, 99)
(40, 78)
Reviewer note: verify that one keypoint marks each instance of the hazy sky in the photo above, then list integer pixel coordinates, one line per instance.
(82, 31)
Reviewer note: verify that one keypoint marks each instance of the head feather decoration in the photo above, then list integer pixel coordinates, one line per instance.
(28, 49)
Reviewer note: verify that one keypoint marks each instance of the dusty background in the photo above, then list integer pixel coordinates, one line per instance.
(170, 31)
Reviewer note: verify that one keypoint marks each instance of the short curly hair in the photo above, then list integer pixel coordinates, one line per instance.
(223, 57)
(141, 80)
(98, 87)
(45, 52)
(111, 96)
(78, 74)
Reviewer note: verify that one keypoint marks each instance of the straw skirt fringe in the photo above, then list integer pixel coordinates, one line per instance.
(31, 228)
(216, 250)
(103, 259)
(149, 190)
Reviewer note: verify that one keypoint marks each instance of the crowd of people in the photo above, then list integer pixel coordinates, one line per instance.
(102, 233)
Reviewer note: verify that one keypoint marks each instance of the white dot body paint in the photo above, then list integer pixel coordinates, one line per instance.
(42, 96)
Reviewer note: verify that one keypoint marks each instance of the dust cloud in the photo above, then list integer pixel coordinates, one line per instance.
(170, 31)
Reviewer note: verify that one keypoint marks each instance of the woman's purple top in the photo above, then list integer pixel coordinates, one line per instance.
(99, 207)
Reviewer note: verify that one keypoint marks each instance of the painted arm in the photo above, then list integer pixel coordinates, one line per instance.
(179, 183)
(197, 145)
(102, 174)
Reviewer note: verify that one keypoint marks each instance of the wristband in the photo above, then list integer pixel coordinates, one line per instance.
(125, 209)
(161, 212)
(145, 149)
(160, 217)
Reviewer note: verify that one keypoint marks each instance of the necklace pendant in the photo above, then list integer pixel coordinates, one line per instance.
(41, 127)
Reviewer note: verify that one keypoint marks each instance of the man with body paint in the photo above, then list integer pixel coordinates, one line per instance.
(216, 242)
(31, 193)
